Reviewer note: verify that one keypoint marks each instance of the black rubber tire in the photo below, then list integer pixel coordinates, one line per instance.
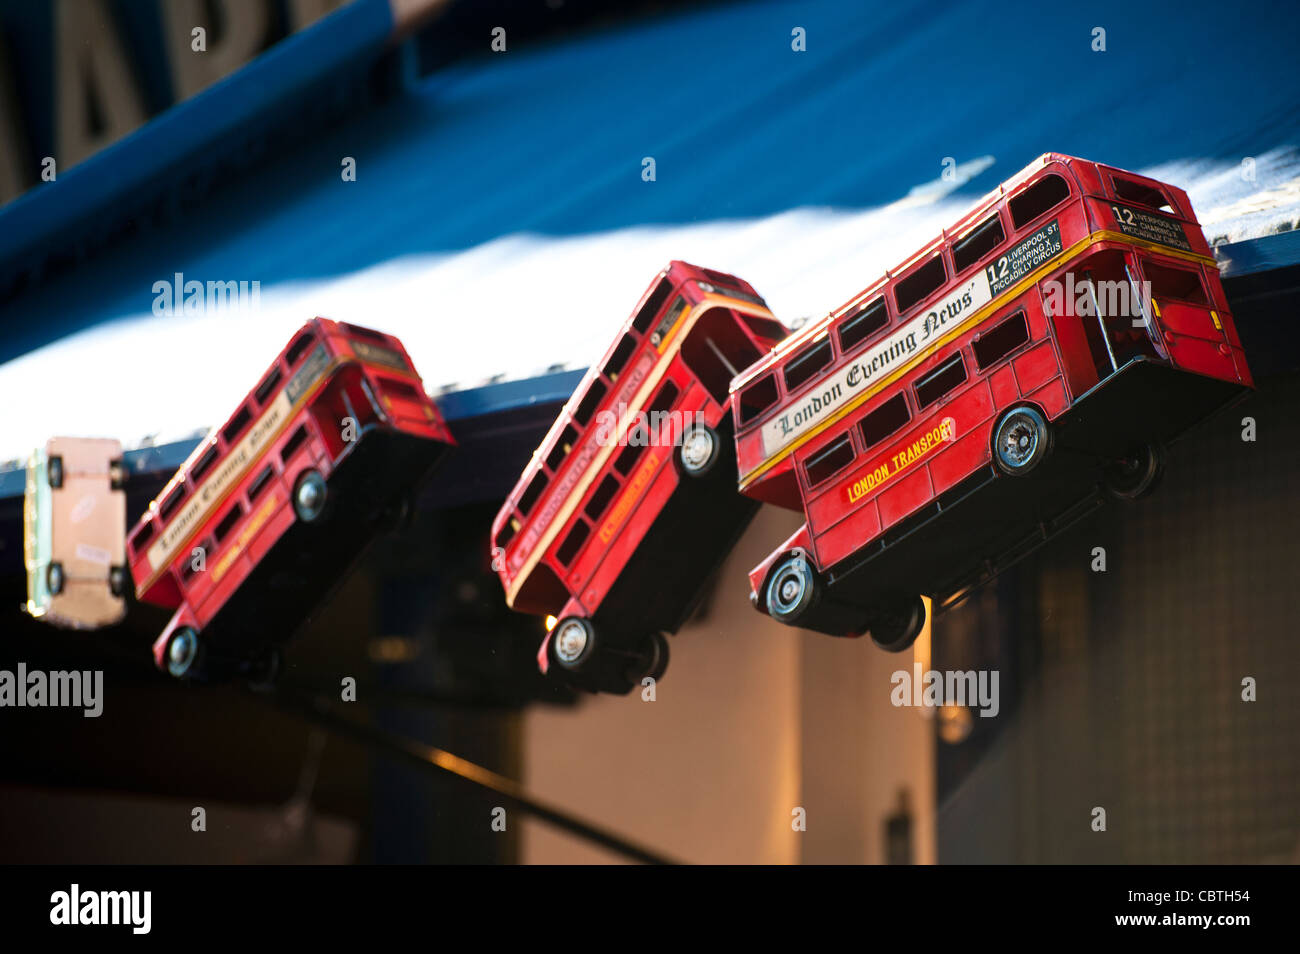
(116, 474)
(789, 609)
(193, 666)
(1137, 475)
(117, 580)
(309, 516)
(55, 578)
(54, 470)
(1026, 423)
(895, 628)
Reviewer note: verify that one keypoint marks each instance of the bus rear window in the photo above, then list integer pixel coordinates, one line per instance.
(399, 388)
(722, 278)
(1047, 192)
(993, 346)
(830, 461)
(920, 284)
(757, 398)
(1179, 284)
(860, 327)
(885, 420)
(765, 327)
(974, 246)
(940, 381)
(1140, 194)
(805, 366)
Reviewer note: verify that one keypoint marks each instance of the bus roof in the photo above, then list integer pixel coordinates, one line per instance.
(815, 329)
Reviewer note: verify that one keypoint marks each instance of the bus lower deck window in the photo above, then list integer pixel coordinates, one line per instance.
(1003, 339)
(830, 461)
(627, 458)
(940, 381)
(601, 498)
(573, 542)
(889, 418)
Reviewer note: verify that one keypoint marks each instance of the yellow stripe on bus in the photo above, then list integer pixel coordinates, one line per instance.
(1074, 251)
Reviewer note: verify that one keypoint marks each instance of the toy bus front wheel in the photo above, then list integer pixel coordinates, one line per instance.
(309, 496)
(1022, 440)
(699, 450)
(792, 590)
(573, 643)
(184, 650)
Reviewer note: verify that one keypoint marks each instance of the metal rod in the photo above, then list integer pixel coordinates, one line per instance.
(1101, 321)
(434, 759)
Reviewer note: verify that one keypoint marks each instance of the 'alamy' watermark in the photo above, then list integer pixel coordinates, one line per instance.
(75, 907)
(645, 429)
(1087, 298)
(976, 689)
(178, 296)
(36, 689)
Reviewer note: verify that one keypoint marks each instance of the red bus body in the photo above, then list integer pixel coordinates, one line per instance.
(879, 421)
(607, 528)
(228, 543)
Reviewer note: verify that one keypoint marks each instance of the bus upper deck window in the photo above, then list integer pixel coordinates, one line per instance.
(1130, 191)
(920, 284)
(618, 360)
(805, 366)
(757, 398)
(646, 316)
(590, 401)
(562, 448)
(299, 348)
(861, 326)
(1049, 191)
(977, 243)
(529, 496)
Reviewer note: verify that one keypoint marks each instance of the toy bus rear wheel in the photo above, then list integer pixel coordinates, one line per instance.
(116, 474)
(117, 581)
(184, 652)
(54, 578)
(309, 495)
(573, 644)
(54, 469)
(1022, 440)
(793, 589)
(699, 450)
(656, 651)
(1136, 475)
(896, 627)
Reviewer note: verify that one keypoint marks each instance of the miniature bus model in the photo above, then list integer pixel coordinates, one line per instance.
(270, 510)
(1022, 367)
(74, 529)
(630, 503)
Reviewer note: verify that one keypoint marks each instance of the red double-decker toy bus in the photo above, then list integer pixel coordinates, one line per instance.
(269, 511)
(983, 395)
(629, 503)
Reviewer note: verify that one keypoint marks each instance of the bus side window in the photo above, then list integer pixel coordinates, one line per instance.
(757, 398)
(807, 364)
(890, 418)
(1048, 192)
(573, 542)
(994, 345)
(940, 381)
(830, 461)
(983, 239)
(920, 284)
(534, 490)
(861, 326)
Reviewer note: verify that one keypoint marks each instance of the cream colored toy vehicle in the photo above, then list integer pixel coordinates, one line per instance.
(74, 533)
